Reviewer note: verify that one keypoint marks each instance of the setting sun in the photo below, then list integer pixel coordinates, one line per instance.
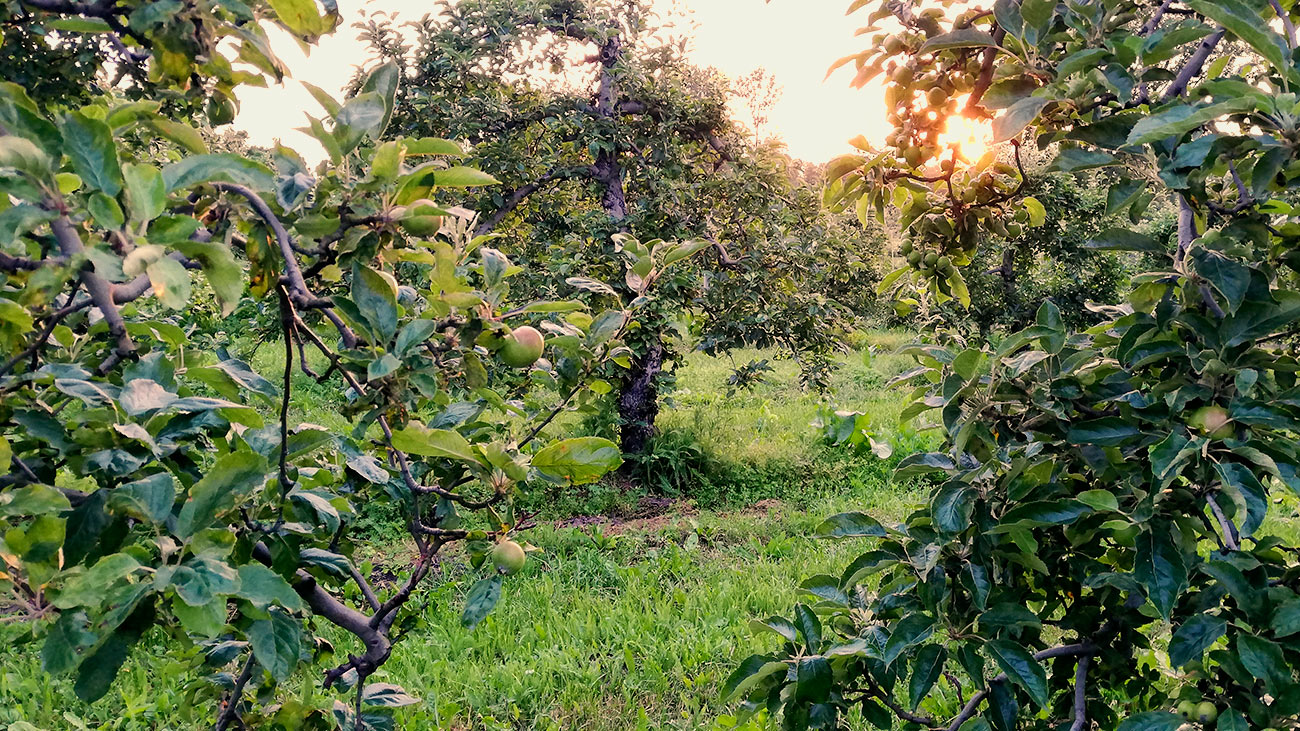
(972, 137)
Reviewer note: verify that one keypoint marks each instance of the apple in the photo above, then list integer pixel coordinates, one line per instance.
(523, 346)
(508, 557)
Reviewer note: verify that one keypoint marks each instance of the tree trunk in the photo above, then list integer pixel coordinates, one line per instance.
(638, 399)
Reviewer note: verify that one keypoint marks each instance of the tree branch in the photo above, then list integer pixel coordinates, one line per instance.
(1287, 25)
(1193, 66)
(520, 194)
(1081, 694)
(1230, 538)
(231, 711)
(101, 293)
(1080, 649)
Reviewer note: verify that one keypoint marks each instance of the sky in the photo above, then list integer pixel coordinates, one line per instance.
(794, 40)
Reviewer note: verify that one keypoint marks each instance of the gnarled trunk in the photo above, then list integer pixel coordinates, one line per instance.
(638, 400)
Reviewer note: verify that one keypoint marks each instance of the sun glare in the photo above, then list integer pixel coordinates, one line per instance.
(973, 137)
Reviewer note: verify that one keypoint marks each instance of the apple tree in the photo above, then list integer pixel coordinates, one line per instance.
(1096, 549)
(596, 123)
(155, 489)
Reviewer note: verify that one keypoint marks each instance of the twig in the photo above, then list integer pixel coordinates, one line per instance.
(1081, 694)
(101, 293)
(230, 712)
(1287, 25)
(1193, 66)
(1230, 538)
(1082, 648)
(286, 324)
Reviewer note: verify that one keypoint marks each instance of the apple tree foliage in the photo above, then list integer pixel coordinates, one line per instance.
(1096, 551)
(595, 122)
(156, 490)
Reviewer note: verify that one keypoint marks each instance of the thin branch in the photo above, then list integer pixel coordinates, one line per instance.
(1193, 66)
(1080, 649)
(1230, 538)
(1287, 25)
(1154, 22)
(101, 293)
(231, 711)
(287, 325)
(517, 196)
(1081, 694)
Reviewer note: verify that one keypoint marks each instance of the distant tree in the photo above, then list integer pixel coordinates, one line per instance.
(597, 125)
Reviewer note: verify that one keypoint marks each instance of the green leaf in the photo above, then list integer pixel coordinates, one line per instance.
(926, 668)
(1118, 239)
(224, 274)
(1108, 431)
(417, 439)
(850, 525)
(1247, 25)
(813, 677)
(263, 587)
(149, 498)
(1181, 119)
(952, 506)
(749, 675)
(1193, 637)
(182, 134)
(384, 81)
(1153, 721)
(300, 16)
(31, 500)
(20, 154)
(578, 461)
(1075, 159)
(1286, 619)
(1263, 659)
(1021, 668)
(1242, 480)
(1229, 277)
(963, 38)
(224, 167)
(462, 177)
(89, 143)
(170, 282)
(105, 210)
(146, 192)
(1099, 500)
(276, 643)
(482, 598)
(911, 630)
(387, 695)
(1014, 120)
(1160, 567)
(375, 294)
(230, 478)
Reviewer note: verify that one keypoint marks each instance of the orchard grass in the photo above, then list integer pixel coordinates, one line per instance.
(615, 622)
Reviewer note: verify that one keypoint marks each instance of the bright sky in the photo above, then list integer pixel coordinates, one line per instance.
(795, 40)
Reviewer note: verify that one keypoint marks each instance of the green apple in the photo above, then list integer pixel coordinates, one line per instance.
(1206, 712)
(508, 557)
(1187, 709)
(522, 348)
(1212, 421)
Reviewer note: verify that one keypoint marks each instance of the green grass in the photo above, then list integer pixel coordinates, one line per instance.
(617, 625)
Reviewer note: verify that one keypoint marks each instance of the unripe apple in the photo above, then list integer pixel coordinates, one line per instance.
(1187, 709)
(508, 557)
(1206, 712)
(523, 346)
(1212, 421)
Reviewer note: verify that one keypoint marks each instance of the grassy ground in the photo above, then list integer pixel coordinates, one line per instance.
(615, 623)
